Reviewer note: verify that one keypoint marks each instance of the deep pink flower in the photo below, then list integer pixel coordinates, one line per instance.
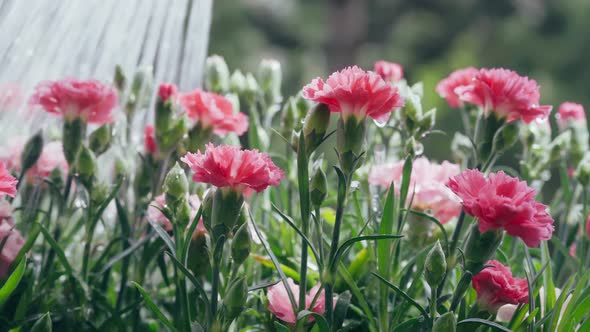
(495, 286)
(166, 91)
(503, 202)
(156, 216)
(569, 111)
(389, 71)
(89, 100)
(353, 91)
(149, 140)
(280, 305)
(446, 87)
(228, 166)
(505, 93)
(428, 181)
(14, 240)
(7, 182)
(51, 157)
(11, 96)
(214, 111)
(588, 226)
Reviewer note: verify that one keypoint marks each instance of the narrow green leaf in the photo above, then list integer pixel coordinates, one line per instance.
(386, 227)
(58, 250)
(341, 309)
(165, 237)
(12, 282)
(153, 307)
(123, 254)
(494, 326)
(405, 186)
(320, 321)
(289, 221)
(348, 243)
(403, 294)
(413, 324)
(275, 262)
(362, 302)
(43, 324)
(189, 234)
(193, 280)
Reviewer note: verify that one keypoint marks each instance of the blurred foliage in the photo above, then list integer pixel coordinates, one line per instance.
(543, 39)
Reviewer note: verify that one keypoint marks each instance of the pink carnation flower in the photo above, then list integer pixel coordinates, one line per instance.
(588, 226)
(11, 96)
(14, 240)
(446, 87)
(51, 157)
(569, 111)
(149, 140)
(166, 91)
(280, 305)
(89, 100)
(495, 286)
(7, 182)
(505, 93)
(228, 166)
(503, 202)
(214, 111)
(353, 91)
(428, 181)
(156, 216)
(389, 71)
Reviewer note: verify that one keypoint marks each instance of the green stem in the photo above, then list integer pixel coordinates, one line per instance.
(456, 234)
(462, 287)
(433, 299)
(332, 265)
(215, 280)
(90, 225)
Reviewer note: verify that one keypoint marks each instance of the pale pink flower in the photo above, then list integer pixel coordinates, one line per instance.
(13, 240)
(11, 96)
(149, 141)
(7, 182)
(495, 286)
(505, 93)
(89, 100)
(228, 166)
(167, 91)
(389, 71)
(280, 305)
(51, 158)
(446, 87)
(10, 153)
(570, 112)
(504, 202)
(353, 91)
(156, 216)
(572, 250)
(213, 111)
(427, 183)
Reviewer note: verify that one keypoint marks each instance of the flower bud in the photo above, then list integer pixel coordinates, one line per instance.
(100, 139)
(175, 184)
(198, 253)
(351, 143)
(207, 205)
(413, 147)
(505, 137)
(445, 323)
(141, 86)
(237, 82)
(295, 140)
(427, 121)
(241, 243)
(142, 184)
(435, 267)
(226, 208)
(31, 152)
(99, 193)
(216, 74)
(270, 78)
(582, 173)
(480, 247)
(120, 80)
(73, 132)
(315, 125)
(289, 113)
(461, 147)
(86, 166)
(559, 145)
(166, 91)
(318, 187)
(235, 299)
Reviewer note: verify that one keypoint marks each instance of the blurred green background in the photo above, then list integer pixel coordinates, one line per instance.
(545, 40)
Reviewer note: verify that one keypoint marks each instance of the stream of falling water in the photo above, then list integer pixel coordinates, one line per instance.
(48, 39)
